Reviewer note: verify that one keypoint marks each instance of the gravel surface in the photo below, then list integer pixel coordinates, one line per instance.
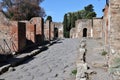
(56, 63)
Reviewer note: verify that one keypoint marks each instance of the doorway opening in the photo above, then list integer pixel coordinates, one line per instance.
(85, 32)
(55, 33)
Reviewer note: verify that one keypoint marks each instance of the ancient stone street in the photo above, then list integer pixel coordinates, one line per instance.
(56, 63)
(61, 59)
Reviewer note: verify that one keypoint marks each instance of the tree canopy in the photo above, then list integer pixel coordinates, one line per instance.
(49, 18)
(22, 9)
(71, 17)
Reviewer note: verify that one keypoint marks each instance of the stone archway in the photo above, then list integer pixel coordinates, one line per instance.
(85, 32)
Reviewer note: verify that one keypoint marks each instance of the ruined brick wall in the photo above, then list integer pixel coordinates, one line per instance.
(47, 30)
(4, 37)
(73, 33)
(12, 37)
(112, 34)
(97, 27)
(39, 33)
(30, 33)
(87, 28)
(59, 26)
(52, 30)
(82, 24)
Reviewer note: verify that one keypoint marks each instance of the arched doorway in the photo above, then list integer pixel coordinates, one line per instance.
(55, 33)
(85, 32)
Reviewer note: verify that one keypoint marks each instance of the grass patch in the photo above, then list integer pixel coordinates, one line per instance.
(115, 66)
(104, 53)
(74, 72)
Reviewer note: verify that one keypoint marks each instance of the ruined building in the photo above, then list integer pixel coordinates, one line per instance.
(87, 28)
(107, 28)
(15, 36)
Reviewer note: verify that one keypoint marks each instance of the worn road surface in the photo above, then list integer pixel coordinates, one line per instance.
(56, 63)
(96, 61)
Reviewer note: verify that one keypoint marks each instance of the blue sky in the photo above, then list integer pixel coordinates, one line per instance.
(57, 8)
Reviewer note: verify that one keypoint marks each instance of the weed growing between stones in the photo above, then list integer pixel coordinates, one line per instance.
(74, 72)
(115, 66)
(104, 53)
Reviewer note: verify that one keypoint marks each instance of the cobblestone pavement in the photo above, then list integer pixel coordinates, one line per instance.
(56, 63)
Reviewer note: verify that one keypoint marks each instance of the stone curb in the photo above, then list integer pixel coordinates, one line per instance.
(5, 68)
(81, 64)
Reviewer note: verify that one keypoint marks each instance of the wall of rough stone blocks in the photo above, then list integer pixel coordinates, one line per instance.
(16, 36)
(105, 24)
(30, 33)
(12, 37)
(47, 30)
(93, 26)
(97, 27)
(82, 24)
(52, 30)
(39, 33)
(112, 34)
(114, 12)
(73, 33)
(59, 26)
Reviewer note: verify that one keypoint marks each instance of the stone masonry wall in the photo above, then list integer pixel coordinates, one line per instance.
(115, 25)
(15, 36)
(39, 33)
(12, 37)
(82, 24)
(30, 33)
(105, 25)
(47, 30)
(87, 28)
(52, 30)
(97, 27)
(73, 33)
(59, 26)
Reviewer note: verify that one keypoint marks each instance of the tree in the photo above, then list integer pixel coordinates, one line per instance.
(49, 18)
(89, 8)
(66, 31)
(90, 15)
(73, 19)
(89, 12)
(22, 9)
(69, 16)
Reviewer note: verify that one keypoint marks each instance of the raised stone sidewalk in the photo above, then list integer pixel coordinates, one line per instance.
(81, 64)
(19, 59)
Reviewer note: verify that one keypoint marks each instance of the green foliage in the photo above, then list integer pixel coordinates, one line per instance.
(115, 66)
(66, 34)
(66, 29)
(49, 18)
(22, 9)
(71, 17)
(74, 72)
(104, 53)
(89, 8)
